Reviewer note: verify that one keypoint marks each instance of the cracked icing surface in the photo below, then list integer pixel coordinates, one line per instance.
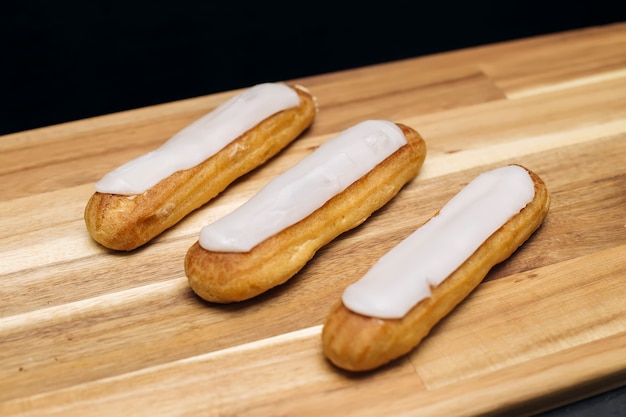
(201, 139)
(305, 187)
(404, 275)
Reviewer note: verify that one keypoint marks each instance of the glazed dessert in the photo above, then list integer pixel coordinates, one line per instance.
(273, 235)
(387, 312)
(142, 198)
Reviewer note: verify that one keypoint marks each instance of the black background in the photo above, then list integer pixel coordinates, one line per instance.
(67, 60)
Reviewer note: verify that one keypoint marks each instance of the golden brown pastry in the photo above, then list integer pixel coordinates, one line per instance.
(387, 312)
(139, 200)
(272, 236)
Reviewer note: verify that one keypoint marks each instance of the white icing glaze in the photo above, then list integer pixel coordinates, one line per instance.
(201, 139)
(403, 276)
(305, 187)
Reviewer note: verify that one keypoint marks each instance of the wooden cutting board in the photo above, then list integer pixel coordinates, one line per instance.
(86, 331)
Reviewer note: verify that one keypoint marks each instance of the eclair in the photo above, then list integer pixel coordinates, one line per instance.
(147, 195)
(388, 311)
(269, 238)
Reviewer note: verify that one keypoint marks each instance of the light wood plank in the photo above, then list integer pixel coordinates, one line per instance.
(467, 348)
(85, 331)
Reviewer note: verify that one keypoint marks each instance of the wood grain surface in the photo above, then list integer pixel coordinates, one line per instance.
(89, 332)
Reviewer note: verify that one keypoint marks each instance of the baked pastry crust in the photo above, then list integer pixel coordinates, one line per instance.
(225, 277)
(356, 342)
(124, 223)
